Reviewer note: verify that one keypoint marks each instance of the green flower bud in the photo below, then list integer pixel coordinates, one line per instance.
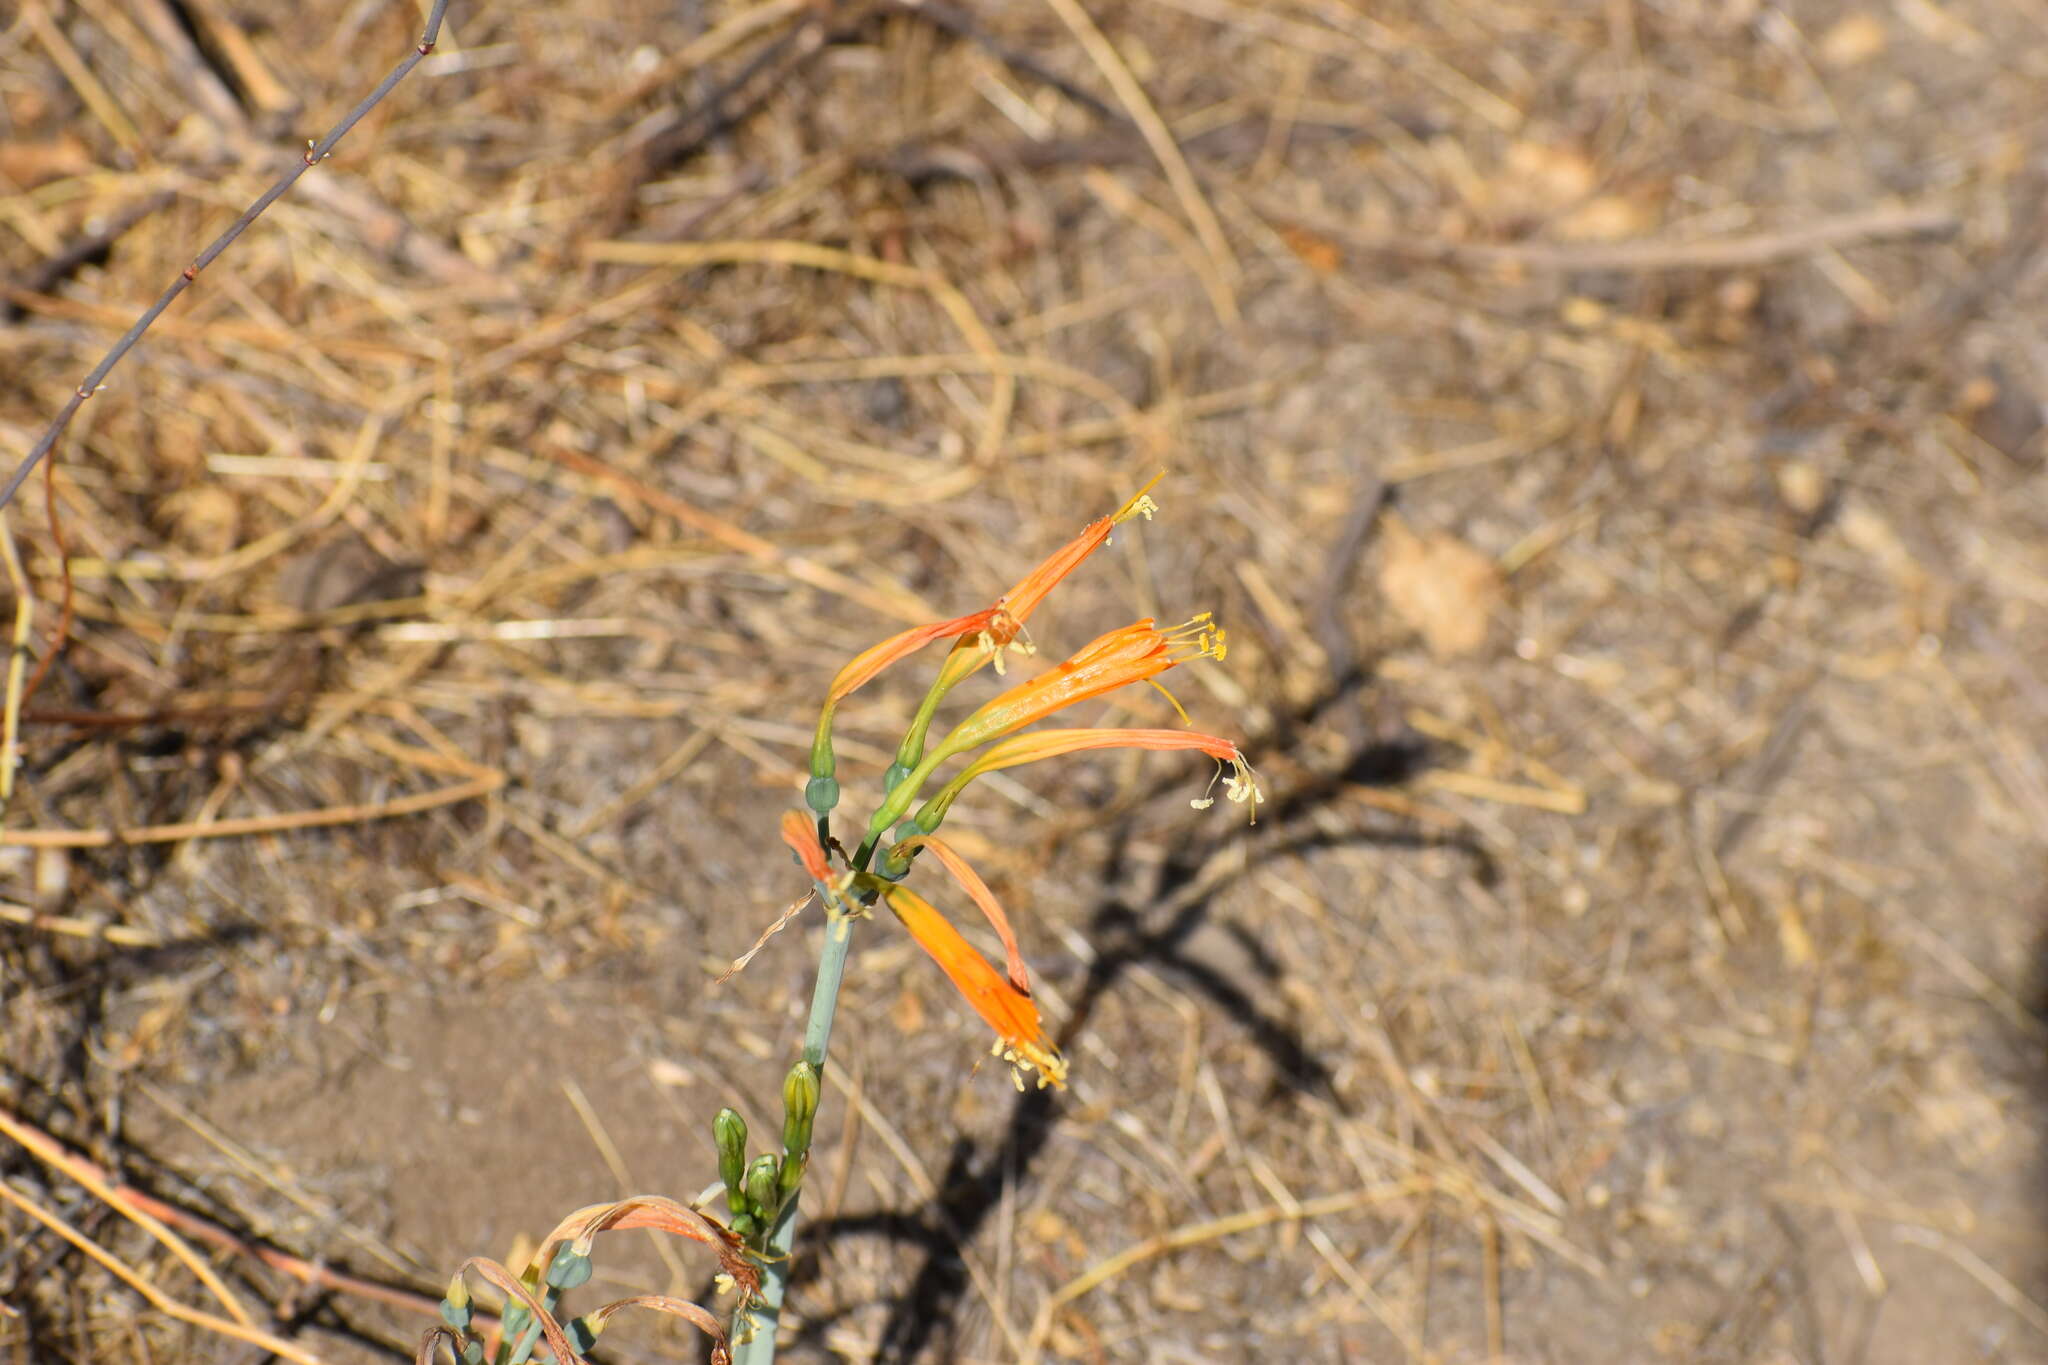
(730, 1131)
(893, 774)
(456, 1309)
(799, 1107)
(570, 1267)
(525, 1338)
(821, 794)
(745, 1226)
(520, 1330)
(763, 1184)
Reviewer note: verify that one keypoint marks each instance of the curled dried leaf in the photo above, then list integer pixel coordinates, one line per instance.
(512, 1287)
(661, 1214)
(438, 1336)
(693, 1313)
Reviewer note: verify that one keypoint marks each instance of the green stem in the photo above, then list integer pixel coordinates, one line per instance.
(767, 1315)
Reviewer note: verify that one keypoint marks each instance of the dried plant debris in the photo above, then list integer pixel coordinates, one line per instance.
(1611, 433)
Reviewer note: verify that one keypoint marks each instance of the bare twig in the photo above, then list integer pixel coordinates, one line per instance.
(1749, 251)
(313, 155)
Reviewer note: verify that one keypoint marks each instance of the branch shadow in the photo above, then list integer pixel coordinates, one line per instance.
(1153, 933)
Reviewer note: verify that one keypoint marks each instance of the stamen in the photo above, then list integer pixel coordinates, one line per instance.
(987, 642)
(1171, 700)
(1139, 504)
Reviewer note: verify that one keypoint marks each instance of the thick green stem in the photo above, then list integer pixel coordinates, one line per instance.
(759, 1349)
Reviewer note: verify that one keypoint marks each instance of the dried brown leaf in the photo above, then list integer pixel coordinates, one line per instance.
(1440, 586)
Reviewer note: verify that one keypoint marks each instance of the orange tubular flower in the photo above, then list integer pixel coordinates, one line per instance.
(1135, 653)
(823, 792)
(1012, 610)
(1020, 1037)
(1241, 786)
(871, 661)
(1023, 599)
(983, 898)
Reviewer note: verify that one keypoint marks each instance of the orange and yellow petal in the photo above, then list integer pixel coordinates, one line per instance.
(800, 832)
(871, 661)
(983, 898)
(1020, 1036)
(1241, 783)
(1134, 653)
(1032, 589)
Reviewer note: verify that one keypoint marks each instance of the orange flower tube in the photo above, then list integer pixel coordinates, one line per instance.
(1020, 1036)
(1131, 654)
(1012, 610)
(822, 794)
(1241, 785)
(983, 898)
(1023, 599)
(1134, 653)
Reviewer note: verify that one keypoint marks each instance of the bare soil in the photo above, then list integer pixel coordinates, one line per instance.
(1612, 435)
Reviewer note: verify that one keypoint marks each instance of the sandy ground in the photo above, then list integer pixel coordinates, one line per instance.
(1611, 433)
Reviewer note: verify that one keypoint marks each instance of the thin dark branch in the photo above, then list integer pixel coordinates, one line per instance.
(313, 155)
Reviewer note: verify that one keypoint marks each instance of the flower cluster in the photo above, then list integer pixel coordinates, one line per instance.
(874, 872)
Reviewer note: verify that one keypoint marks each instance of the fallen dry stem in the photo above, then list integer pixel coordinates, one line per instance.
(157, 1299)
(255, 824)
(314, 154)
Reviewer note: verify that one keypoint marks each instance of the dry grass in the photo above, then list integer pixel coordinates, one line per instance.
(1611, 432)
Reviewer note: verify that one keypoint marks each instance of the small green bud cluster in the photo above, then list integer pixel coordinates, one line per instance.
(757, 1191)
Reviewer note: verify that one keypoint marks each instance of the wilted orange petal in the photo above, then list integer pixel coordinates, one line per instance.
(1007, 1010)
(977, 891)
(800, 832)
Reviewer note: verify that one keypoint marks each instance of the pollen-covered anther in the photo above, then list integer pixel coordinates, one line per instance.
(1240, 785)
(1005, 632)
(1138, 505)
(1198, 637)
(1047, 1065)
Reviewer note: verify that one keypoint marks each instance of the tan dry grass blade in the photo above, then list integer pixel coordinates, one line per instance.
(157, 1299)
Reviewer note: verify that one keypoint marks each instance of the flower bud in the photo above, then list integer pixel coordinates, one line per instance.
(799, 1107)
(730, 1132)
(456, 1310)
(763, 1179)
(821, 794)
(570, 1268)
(582, 1332)
(792, 1174)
